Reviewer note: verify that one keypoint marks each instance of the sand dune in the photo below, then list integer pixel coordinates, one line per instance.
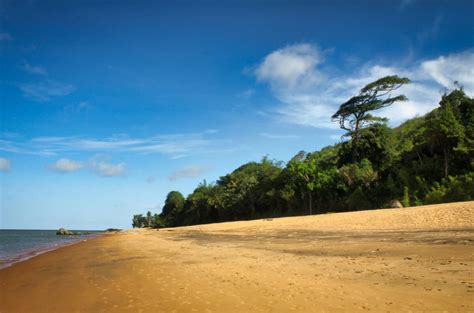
(412, 259)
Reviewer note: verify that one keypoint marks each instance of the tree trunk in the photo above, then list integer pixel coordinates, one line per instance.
(419, 158)
(310, 203)
(355, 154)
(445, 163)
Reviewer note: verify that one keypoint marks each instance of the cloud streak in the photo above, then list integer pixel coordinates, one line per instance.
(189, 172)
(46, 90)
(278, 136)
(174, 145)
(38, 70)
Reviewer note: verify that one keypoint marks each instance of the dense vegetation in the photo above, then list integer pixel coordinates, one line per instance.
(425, 160)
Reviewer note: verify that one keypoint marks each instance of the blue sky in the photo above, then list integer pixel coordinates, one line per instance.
(107, 106)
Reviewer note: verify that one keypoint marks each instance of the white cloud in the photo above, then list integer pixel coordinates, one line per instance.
(106, 169)
(246, 93)
(47, 90)
(38, 70)
(5, 165)
(103, 167)
(66, 165)
(290, 67)
(278, 136)
(189, 172)
(307, 109)
(445, 70)
(304, 99)
(99, 164)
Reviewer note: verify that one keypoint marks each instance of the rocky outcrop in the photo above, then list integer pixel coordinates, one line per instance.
(113, 230)
(65, 232)
(395, 204)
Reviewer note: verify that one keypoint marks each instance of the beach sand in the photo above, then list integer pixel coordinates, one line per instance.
(413, 259)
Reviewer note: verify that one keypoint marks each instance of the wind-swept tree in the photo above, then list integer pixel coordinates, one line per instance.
(354, 114)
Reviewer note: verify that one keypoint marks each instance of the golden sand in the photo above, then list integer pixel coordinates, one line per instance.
(412, 259)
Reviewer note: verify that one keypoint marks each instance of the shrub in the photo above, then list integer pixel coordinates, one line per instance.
(457, 188)
(406, 197)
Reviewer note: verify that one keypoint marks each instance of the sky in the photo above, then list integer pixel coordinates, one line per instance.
(106, 106)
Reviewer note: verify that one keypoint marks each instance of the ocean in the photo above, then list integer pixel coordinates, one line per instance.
(20, 245)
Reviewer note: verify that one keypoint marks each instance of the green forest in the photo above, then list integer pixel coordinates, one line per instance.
(425, 160)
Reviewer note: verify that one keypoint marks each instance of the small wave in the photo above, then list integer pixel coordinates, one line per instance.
(8, 261)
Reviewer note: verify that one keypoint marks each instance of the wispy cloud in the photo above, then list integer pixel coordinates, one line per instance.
(66, 165)
(173, 145)
(278, 136)
(246, 93)
(305, 99)
(445, 70)
(46, 90)
(430, 32)
(71, 110)
(8, 144)
(107, 169)
(5, 165)
(38, 70)
(189, 172)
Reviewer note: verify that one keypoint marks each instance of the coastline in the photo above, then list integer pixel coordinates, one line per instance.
(8, 262)
(420, 260)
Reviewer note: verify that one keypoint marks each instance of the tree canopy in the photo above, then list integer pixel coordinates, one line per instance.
(354, 113)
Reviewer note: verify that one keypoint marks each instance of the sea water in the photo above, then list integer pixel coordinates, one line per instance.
(20, 245)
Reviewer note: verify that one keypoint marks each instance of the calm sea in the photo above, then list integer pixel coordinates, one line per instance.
(19, 245)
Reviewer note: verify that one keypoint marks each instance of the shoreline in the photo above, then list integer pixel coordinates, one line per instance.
(23, 257)
(421, 260)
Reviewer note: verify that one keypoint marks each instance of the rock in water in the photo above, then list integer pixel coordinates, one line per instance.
(395, 204)
(64, 232)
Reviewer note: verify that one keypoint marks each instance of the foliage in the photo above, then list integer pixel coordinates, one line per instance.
(427, 159)
(354, 115)
(173, 208)
(406, 197)
(138, 221)
(454, 188)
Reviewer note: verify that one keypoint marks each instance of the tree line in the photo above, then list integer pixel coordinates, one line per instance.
(425, 160)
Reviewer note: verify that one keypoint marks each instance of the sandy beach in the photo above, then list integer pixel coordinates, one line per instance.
(413, 259)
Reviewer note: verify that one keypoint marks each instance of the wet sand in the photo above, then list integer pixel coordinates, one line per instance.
(412, 259)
